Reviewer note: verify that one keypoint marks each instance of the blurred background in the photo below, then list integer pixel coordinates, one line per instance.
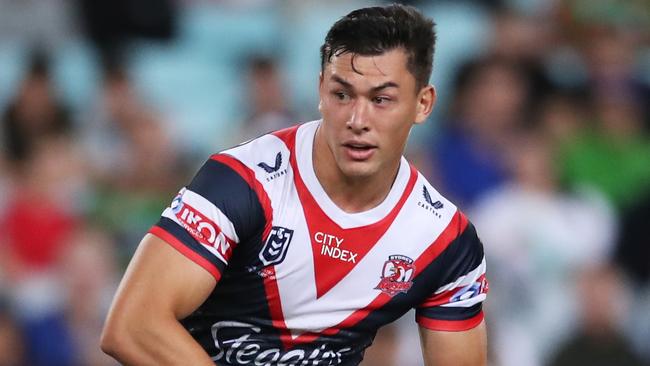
(541, 135)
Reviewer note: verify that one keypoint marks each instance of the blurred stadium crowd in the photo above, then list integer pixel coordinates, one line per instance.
(541, 135)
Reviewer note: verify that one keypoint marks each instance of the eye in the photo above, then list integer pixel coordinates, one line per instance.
(341, 96)
(381, 100)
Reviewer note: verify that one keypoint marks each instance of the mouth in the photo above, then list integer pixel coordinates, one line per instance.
(359, 151)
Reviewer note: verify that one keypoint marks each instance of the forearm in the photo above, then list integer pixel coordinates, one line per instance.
(163, 342)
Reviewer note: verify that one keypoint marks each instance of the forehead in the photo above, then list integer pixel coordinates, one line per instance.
(355, 68)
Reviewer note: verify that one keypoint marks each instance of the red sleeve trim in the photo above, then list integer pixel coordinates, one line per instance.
(451, 325)
(187, 252)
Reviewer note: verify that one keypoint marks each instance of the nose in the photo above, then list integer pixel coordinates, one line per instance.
(358, 121)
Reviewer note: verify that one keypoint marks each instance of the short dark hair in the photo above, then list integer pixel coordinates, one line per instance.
(374, 30)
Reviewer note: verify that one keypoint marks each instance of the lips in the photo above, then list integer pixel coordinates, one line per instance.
(359, 151)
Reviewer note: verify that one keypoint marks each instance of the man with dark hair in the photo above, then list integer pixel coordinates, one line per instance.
(294, 248)
(373, 31)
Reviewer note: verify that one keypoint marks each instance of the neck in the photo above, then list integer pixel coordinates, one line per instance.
(352, 194)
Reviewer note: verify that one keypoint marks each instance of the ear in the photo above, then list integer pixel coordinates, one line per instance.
(425, 103)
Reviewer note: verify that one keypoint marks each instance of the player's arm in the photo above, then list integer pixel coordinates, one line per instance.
(465, 348)
(159, 287)
(451, 319)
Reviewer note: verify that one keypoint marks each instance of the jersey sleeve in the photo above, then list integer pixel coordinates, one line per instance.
(210, 217)
(456, 305)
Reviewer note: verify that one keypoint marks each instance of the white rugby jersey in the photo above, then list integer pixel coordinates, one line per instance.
(301, 282)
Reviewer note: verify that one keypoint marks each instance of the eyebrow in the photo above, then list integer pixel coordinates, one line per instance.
(388, 84)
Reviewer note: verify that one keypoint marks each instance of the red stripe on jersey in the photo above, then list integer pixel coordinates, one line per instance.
(333, 267)
(336, 250)
(274, 302)
(270, 284)
(187, 252)
(451, 232)
(451, 325)
(445, 238)
(288, 136)
(249, 176)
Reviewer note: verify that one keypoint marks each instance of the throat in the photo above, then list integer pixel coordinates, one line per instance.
(359, 195)
(354, 194)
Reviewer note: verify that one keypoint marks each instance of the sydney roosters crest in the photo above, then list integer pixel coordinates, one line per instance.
(396, 275)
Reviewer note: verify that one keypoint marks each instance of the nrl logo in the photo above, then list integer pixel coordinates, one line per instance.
(276, 246)
(396, 275)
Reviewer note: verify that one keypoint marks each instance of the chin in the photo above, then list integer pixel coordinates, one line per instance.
(358, 169)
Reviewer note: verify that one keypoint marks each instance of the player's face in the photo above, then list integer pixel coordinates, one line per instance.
(368, 105)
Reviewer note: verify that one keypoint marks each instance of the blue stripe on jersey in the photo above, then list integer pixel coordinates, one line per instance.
(227, 190)
(462, 256)
(183, 236)
(450, 313)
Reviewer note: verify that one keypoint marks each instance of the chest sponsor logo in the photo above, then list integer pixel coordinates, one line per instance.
(396, 275)
(428, 203)
(240, 343)
(331, 247)
(276, 246)
(273, 171)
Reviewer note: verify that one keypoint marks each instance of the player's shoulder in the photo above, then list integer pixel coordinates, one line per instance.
(267, 157)
(463, 237)
(428, 201)
(430, 206)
